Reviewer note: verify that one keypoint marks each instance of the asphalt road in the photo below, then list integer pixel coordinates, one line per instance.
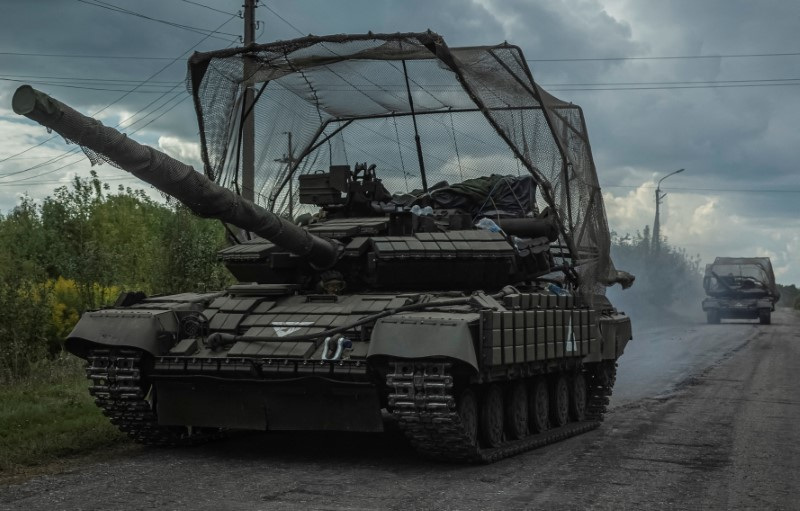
(703, 417)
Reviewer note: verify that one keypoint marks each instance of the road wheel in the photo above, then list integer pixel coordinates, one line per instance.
(765, 316)
(712, 316)
(578, 396)
(491, 416)
(539, 406)
(559, 402)
(468, 412)
(517, 411)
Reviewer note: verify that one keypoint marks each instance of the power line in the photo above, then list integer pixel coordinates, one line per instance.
(51, 182)
(134, 57)
(687, 82)
(26, 150)
(85, 79)
(693, 189)
(80, 56)
(721, 86)
(33, 158)
(179, 95)
(81, 158)
(120, 99)
(209, 8)
(94, 114)
(82, 87)
(116, 8)
(74, 82)
(76, 150)
(749, 55)
(732, 190)
(39, 165)
(677, 57)
(73, 151)
(267, 7)
(619, 85)
(550, 88)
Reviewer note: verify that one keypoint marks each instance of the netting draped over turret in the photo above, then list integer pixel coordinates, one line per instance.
(739, 269)
(364, 98)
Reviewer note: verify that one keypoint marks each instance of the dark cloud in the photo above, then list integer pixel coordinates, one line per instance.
(726, 138)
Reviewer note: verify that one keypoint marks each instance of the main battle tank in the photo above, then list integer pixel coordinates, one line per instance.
(472, 310)
(740, 288)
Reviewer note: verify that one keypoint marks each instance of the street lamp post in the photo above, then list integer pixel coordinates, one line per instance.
(656, 224)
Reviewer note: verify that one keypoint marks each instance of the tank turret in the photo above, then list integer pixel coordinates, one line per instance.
(203, 196)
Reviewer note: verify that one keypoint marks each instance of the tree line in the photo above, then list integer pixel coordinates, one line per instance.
(78, 248)
(668, 279)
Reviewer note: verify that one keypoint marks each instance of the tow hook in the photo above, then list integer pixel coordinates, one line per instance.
(335, 347)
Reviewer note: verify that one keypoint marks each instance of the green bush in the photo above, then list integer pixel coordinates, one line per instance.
(790, 296)
(79, 248)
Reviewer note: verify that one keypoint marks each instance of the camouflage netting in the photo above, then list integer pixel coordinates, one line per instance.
(348, 99)
(757, 268)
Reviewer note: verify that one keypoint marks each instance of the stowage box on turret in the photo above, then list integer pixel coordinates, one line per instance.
(456, 282)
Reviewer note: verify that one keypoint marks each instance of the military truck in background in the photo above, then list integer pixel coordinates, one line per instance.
(740, 288)
(456, 283)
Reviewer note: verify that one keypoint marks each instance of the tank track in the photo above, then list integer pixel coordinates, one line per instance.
(116, 384)
(600, 384)
(424, 404)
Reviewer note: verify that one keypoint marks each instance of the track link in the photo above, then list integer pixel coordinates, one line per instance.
(116, 383)
(600, 384)
(424, 404)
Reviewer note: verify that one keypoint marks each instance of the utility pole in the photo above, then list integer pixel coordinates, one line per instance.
(289, 161)
(249, 123)
(656, 225)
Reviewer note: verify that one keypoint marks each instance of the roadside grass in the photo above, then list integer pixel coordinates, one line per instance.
(50, 416)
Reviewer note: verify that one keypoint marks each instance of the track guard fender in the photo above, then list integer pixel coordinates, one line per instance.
(615, 331)
(423, 335)
(151, 330)
(765, 303)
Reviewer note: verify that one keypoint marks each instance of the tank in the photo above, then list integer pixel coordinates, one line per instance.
(454, 285)
(740, 288)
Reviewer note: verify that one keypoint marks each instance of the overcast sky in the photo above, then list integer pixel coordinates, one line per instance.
(730, 120)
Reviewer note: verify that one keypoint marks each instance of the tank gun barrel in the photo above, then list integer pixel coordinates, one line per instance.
(200, 194)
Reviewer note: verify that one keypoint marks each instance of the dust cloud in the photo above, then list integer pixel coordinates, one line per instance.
(651, 303)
